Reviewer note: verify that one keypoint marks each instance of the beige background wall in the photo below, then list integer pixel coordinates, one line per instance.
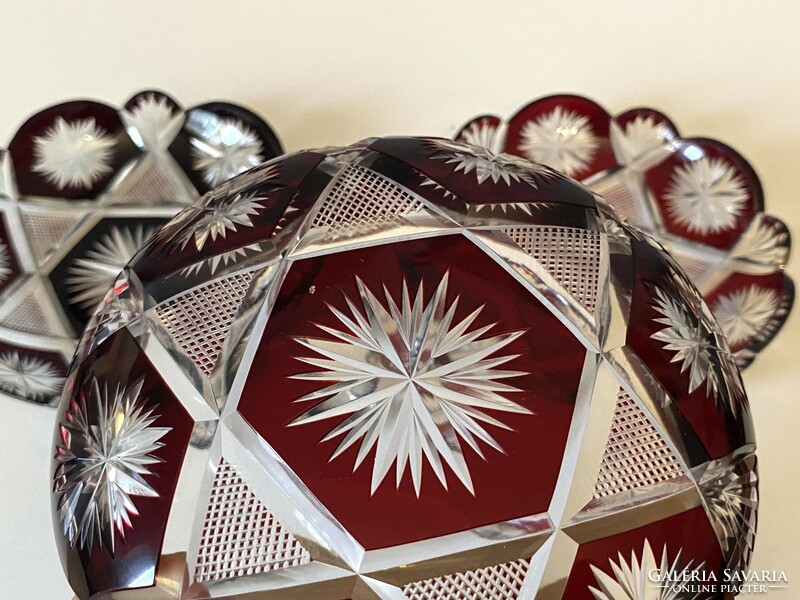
(335, 72)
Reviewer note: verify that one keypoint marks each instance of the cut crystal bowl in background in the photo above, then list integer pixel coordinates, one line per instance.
(83, 185)
(406, 369)
(697, 197)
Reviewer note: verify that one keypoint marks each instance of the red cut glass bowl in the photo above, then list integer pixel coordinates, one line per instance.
(697, 197)
(406, 369)
(83, 185)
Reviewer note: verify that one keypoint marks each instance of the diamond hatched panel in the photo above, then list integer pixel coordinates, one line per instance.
(45, 231)
(620, 197)
(695, 268)
(28, 317)
(569, 254)
(636, 455)
(151, 187)
(200, 320)
(364, 199)
(500, 582)
(240, 536)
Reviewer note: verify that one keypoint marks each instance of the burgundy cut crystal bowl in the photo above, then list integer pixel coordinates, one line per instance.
(83, 185)
(409, 369)
(697, 197)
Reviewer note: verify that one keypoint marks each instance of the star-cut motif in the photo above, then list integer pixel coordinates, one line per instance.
(745, 313)
(5, 263)
(230, 257)
(483, 133)
(414, 383)
(634, 581)
(217, 218)
(230, 148)
(697, 346)
(561, 139)
(686, 337)
(489, 166)
(103, 461)
(90, 276)
(641, 136)
(152, 123)
(730, 495)
(706, 196)
(28, 376)
(506, 207)
(428, 182)
(763, 243)
(73, 154)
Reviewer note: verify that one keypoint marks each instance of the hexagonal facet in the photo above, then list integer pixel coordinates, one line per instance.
(415, 369)
(401, 351)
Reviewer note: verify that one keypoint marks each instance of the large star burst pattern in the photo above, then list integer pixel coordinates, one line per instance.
(745, 312)
(152, 122)
(634, 581)
(28, 376)
(220, 218)
(75, 153)
(696, 347)
(706, 196)
(88, 278)
(231, 148)
(482, 133)
(103, 461)
(414, 383)
(641, 136)
(560, 139)
(489, 166)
